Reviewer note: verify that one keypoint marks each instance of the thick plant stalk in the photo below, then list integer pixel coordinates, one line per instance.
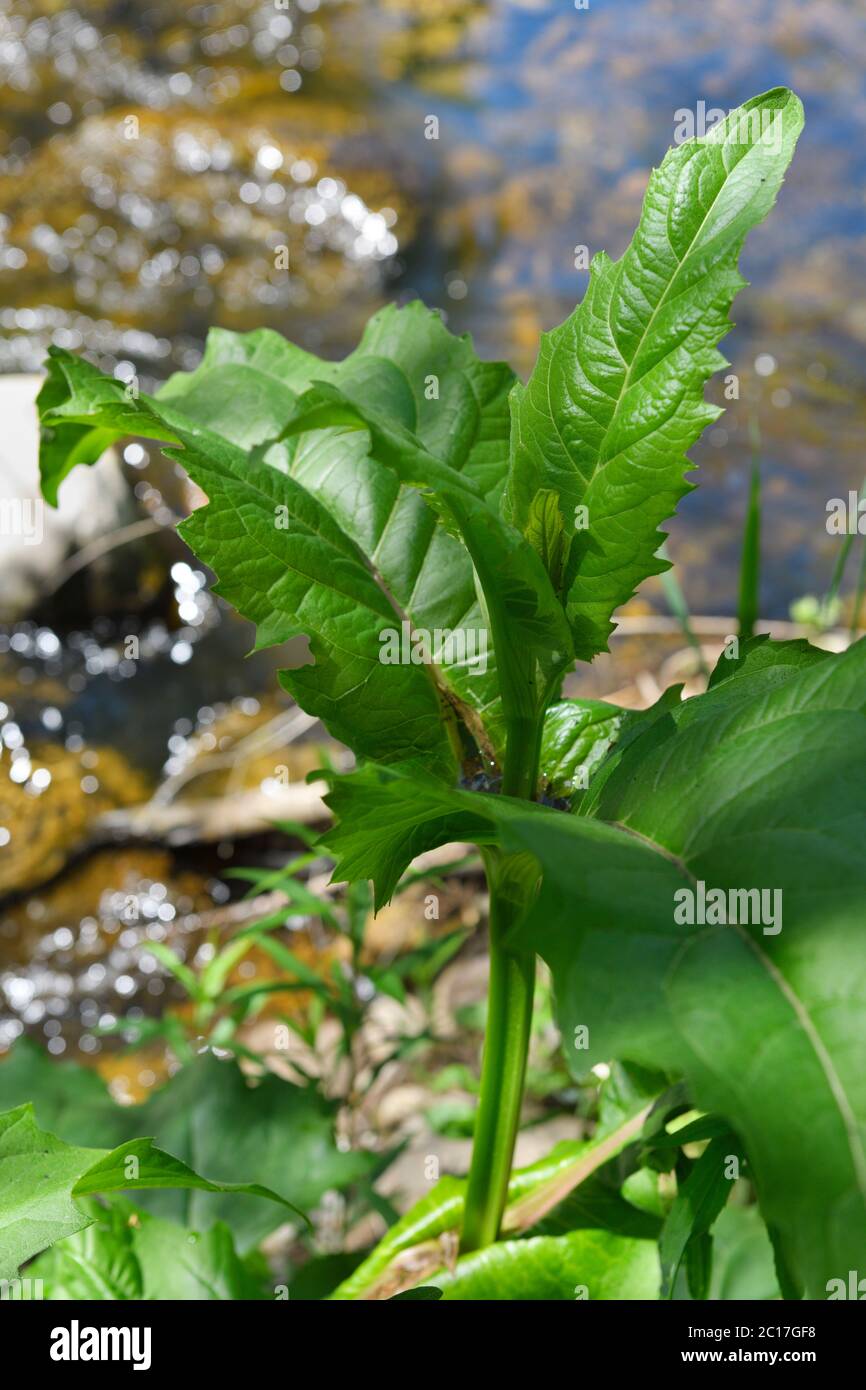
(509, 1018)
(511, 880)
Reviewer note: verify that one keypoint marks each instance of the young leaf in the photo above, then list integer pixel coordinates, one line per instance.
(576, 738)
(616, 397)
(139, 1165)
(384, 818)
(181, 972)
(582, 1265)
(698, 1202)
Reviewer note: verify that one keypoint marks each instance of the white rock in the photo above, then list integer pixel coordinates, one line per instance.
(36, 538)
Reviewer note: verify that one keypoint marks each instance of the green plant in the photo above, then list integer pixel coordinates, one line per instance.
(208, 1117)
(216, 1009)
(450, 541)
(824, 613)
(748, 607)
(130, 1251)
(42, 1176)
(676, 601)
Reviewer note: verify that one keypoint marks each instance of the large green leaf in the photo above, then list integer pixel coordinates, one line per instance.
(37, 1175)
(286, 565)
(384, 818)
(140, 1164)
(433, 384)
(129, 1254)
(616, 397)
(763, 664)
(528, 627)
(774, 662)
(309, 578)
(383, 821)
(755, 785)
(245, 386)
(209, 1118)
(243, 390)
(759, 792)
(357, 552)
(184, 1265)
(742, 1257)
(41, 1176)
(81, 413)
(457, 408)
(581, 1265)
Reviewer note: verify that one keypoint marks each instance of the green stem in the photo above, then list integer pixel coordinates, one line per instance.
(506, 1043)
(511, 880)
(522, 743)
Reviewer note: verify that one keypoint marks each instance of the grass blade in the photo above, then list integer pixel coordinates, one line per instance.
(750, 559)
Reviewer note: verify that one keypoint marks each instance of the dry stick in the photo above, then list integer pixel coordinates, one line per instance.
(653, 625)
(215, 818)
(284, 728)
(103, 545)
